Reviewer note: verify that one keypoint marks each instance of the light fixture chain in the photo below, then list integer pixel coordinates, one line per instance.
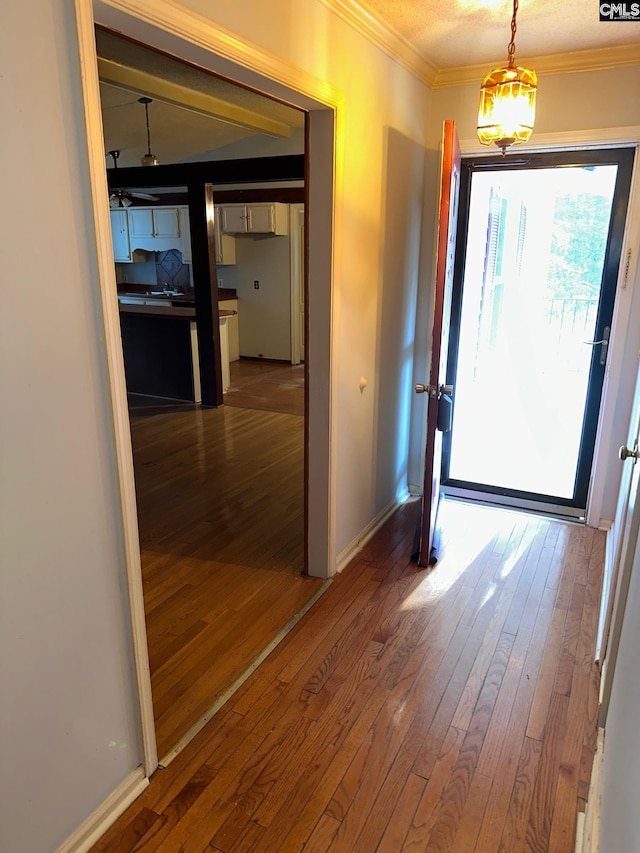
(511, 51)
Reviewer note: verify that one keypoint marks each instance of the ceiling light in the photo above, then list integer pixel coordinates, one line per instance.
(119, 198)
(507, 100)
(149, 159)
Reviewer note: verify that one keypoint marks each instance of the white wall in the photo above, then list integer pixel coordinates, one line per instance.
(566, 103)
(69, 730)
(69, 721)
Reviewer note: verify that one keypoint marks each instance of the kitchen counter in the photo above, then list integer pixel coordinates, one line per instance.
(148, 292)
(160, 345)
(171, 311)
(168, 311)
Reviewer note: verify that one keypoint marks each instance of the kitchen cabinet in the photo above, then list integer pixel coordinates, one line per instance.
(161, 222)
(151, 229)
(225, 244)
(120, 236)
(264, 218)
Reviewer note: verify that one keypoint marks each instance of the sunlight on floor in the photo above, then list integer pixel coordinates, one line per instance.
(472, 532)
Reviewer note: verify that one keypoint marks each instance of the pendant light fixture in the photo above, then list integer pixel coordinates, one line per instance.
(149, 159)
(507, 100)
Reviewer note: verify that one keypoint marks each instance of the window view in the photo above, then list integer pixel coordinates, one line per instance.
(535, 256)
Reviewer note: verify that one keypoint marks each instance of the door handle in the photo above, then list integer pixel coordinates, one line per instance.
(625, 453)
(426, 389)
(431, 390)
(605, 344)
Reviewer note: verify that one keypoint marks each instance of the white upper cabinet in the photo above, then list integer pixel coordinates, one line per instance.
(233, 219)
(120, 236)
(265, 218)
(225, 244)
(162, 222)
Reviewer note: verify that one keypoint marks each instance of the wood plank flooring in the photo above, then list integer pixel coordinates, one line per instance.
(450, 709)
(220, 509)
(270, 386)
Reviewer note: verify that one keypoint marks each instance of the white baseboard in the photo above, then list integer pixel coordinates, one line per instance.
(348, 553)
(107, 813)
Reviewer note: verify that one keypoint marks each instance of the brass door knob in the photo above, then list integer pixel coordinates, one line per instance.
(625, 453)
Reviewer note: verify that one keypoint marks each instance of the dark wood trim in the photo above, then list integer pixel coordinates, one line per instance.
(179, 60)
(205, 292)
(305, 284)
(288, 168)
(166, 198)
(286, 195)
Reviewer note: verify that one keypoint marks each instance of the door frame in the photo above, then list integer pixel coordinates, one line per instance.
(296, 232)
(617, 392)
(181, 33)
(577, 505)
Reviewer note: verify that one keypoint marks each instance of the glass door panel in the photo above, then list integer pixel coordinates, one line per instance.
(529, 307)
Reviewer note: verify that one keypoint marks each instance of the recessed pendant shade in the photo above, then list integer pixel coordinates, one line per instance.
(507, 106)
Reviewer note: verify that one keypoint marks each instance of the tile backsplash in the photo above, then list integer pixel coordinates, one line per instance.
(154, 270)
(170, 271)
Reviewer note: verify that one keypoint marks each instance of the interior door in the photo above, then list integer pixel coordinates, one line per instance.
(620, 527)
(626, 527)
(447, 216)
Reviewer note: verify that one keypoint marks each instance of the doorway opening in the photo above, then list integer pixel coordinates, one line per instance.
(220, 492)
(538, 252)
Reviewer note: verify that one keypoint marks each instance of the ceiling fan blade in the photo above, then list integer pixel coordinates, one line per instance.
(144, 195)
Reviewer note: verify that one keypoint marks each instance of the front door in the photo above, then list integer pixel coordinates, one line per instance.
(536, 271)
(447, 216)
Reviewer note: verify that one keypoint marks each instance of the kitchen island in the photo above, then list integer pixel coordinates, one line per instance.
(160, 346)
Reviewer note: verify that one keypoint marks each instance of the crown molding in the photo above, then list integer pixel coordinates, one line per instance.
(377, 31)
(395, 45)
(168, 16)
(599, 59)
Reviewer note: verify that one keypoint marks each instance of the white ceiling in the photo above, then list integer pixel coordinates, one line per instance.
(458, 33)
(179, 124)
(445, 41)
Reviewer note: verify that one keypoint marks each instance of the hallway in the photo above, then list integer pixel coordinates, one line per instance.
(443, 710)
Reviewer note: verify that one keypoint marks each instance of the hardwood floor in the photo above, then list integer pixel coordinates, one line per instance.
(271, 386)
(220, 507)
(450, 709)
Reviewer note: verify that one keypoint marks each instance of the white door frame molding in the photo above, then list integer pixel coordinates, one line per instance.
(168, 27)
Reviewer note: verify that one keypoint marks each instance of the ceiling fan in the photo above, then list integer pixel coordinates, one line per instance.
(124, 198)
